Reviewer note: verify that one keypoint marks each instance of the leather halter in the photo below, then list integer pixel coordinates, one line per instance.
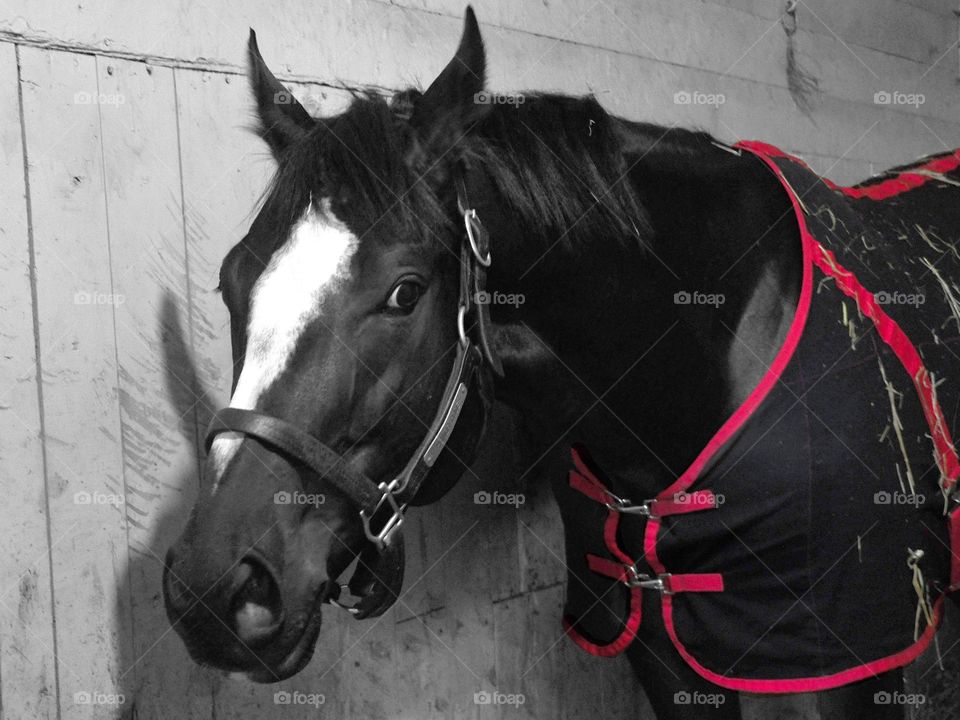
(372, 498)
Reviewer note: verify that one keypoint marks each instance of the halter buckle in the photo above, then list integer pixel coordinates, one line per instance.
(395, 520)
(352, 609)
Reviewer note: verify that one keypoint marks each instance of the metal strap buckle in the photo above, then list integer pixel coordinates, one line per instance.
(623, 505)
(635, 578)
(393, 522)
(472, 223)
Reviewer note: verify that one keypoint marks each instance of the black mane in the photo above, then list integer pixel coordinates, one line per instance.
(560, 161)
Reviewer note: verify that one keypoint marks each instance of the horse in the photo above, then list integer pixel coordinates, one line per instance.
(694, 316)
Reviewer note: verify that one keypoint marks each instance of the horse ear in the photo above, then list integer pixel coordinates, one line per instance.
(451, 102)
(282, 119)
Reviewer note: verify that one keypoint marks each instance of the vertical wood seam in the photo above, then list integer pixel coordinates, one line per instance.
(38, 365)
(116, 359)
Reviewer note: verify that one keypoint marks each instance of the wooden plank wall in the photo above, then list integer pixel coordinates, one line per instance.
(127, 174)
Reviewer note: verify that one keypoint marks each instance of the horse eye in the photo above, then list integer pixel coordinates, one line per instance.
(405, 295)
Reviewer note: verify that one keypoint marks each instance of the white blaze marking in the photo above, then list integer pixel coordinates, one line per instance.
(313, 262)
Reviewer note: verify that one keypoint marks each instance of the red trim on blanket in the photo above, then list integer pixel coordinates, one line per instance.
(813, 253)
(901, 183)
(954, 528)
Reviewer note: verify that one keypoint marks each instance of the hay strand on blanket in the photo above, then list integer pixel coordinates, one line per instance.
(952, 303)
(892, 395)
(920, 587)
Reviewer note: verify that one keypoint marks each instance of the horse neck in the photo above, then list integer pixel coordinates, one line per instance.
(600, 352)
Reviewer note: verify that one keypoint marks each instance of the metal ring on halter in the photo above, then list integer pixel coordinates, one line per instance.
(469, 218)
(461, 328)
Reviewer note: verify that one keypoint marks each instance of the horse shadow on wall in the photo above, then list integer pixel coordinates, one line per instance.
(495, 538)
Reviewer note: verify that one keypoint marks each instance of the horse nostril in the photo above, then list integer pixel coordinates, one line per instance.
(176, 593)
(257, 606)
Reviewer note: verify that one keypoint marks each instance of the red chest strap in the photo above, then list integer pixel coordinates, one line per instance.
(667, 582)
(584, 481)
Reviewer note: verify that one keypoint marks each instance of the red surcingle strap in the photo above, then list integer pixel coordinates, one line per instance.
(668, 582)
(679, 504)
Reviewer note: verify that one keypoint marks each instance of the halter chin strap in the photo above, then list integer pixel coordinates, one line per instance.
(384, 556)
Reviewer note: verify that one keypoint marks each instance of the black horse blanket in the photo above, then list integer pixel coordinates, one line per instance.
(808, 544)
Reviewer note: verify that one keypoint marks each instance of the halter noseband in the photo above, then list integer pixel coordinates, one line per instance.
(364, 493)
